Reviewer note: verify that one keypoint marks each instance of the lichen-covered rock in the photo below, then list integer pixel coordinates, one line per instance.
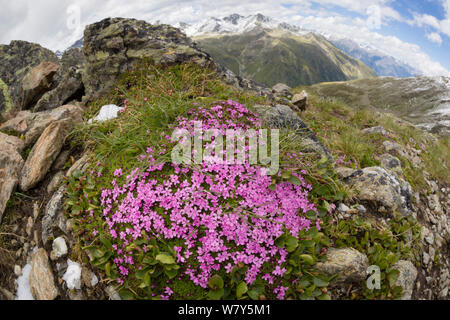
(69, 82)
(114, 45)
(283, 117)
(377, 129)
(31, 125)
(391, 163)
(282, 89)
(406, 278)
(49, 221)
(44, 153)
(300, 100)
(11, 163)
(36, 82)
(378, 186)
(348, 264)
(70, 88)
(42, 281)
(16, 60)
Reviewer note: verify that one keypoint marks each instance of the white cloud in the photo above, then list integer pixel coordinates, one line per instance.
(45, 21)
(435, 37)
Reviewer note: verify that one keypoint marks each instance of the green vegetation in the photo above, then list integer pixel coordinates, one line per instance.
(340, 127)
(154, 98)
(271, 57)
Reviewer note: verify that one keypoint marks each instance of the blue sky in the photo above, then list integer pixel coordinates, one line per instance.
(415, 32)
(438, 47)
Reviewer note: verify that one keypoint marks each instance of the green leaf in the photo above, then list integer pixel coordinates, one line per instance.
(291, 244)
(307, 258)
(171, 273)
(273, 187)
(286, 175)
(241, 289)
(320, 283)
(295, 180)
(165, 258)
(216, 294)
(126, 294)
(324, 297)
(216, 282)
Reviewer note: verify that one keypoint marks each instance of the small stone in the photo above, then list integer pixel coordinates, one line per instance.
(59, 248)
(361, 209)
(55, 182)
(29, 227)
(343, 208)
(17, 270)
(426, 258)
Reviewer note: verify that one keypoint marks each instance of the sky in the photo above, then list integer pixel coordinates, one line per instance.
(416, 32)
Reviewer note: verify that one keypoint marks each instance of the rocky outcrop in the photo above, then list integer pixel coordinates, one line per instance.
(379, 187)
(42, 281)
(16, 60)
(36, 82)
(70, 86)
(283, 117)
(44, 152)
(11, 163)
(348, 264)
(114, 45)
(31, 125)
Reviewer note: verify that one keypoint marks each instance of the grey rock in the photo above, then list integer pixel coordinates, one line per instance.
(406, 278)
(59, 248)
(376, 185)
(282, 89)
(349, 264)
(48, 221)
(377, 129)
(55, 182)
(343, 208)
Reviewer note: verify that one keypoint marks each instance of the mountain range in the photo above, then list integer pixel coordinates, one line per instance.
(381, 63)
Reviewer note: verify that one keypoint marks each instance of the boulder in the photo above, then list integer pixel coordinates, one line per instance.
(283, 117)
(389, 162)
(11, 163)
(378, 186)
(36, 82)
(31, 125)
(300, 100)
(349, 264)
(406, 278)
(70, 88)
(16, 60)
(42, 281)
(377, 129)
(282, 89)
(114, 45)
(44, 152)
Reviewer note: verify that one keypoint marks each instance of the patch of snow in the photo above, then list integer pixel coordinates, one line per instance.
(72, 277)
(106, 113)
(23, 284)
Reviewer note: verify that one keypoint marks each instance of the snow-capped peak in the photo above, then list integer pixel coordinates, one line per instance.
(235, 24)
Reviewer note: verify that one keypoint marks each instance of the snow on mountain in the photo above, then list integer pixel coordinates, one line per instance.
(382, 63)
(236, 24)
